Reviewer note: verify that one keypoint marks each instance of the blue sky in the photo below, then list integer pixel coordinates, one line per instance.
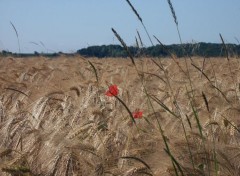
(68, 25)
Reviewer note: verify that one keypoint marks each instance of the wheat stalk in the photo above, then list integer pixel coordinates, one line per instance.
(140, 19)
(19, 50)
(124, 45)
(173, 12)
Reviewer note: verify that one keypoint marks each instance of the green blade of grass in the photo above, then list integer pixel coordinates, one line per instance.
(197, 120)
(137, 159)
(19, 91)
(170, 54)
(189, 122)
(140, 39)
(152, 74)
(95, 70)
(224, 96)
(205, 101)
(128, 110)
(163, 105)
(175, 161)
(225, 47)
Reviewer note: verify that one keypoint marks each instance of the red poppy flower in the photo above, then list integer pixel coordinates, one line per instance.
(112, 91)
(137, 114)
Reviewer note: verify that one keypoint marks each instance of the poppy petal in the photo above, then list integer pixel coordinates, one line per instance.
(112, 91)
(137, 114)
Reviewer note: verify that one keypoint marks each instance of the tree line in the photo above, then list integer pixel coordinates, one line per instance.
(180, 50)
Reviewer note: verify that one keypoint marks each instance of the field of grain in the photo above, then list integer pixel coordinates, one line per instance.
(56, 119)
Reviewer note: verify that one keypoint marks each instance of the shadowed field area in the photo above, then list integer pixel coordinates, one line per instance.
(55, 118)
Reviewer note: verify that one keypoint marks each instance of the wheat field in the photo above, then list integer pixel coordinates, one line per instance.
(55, 117)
